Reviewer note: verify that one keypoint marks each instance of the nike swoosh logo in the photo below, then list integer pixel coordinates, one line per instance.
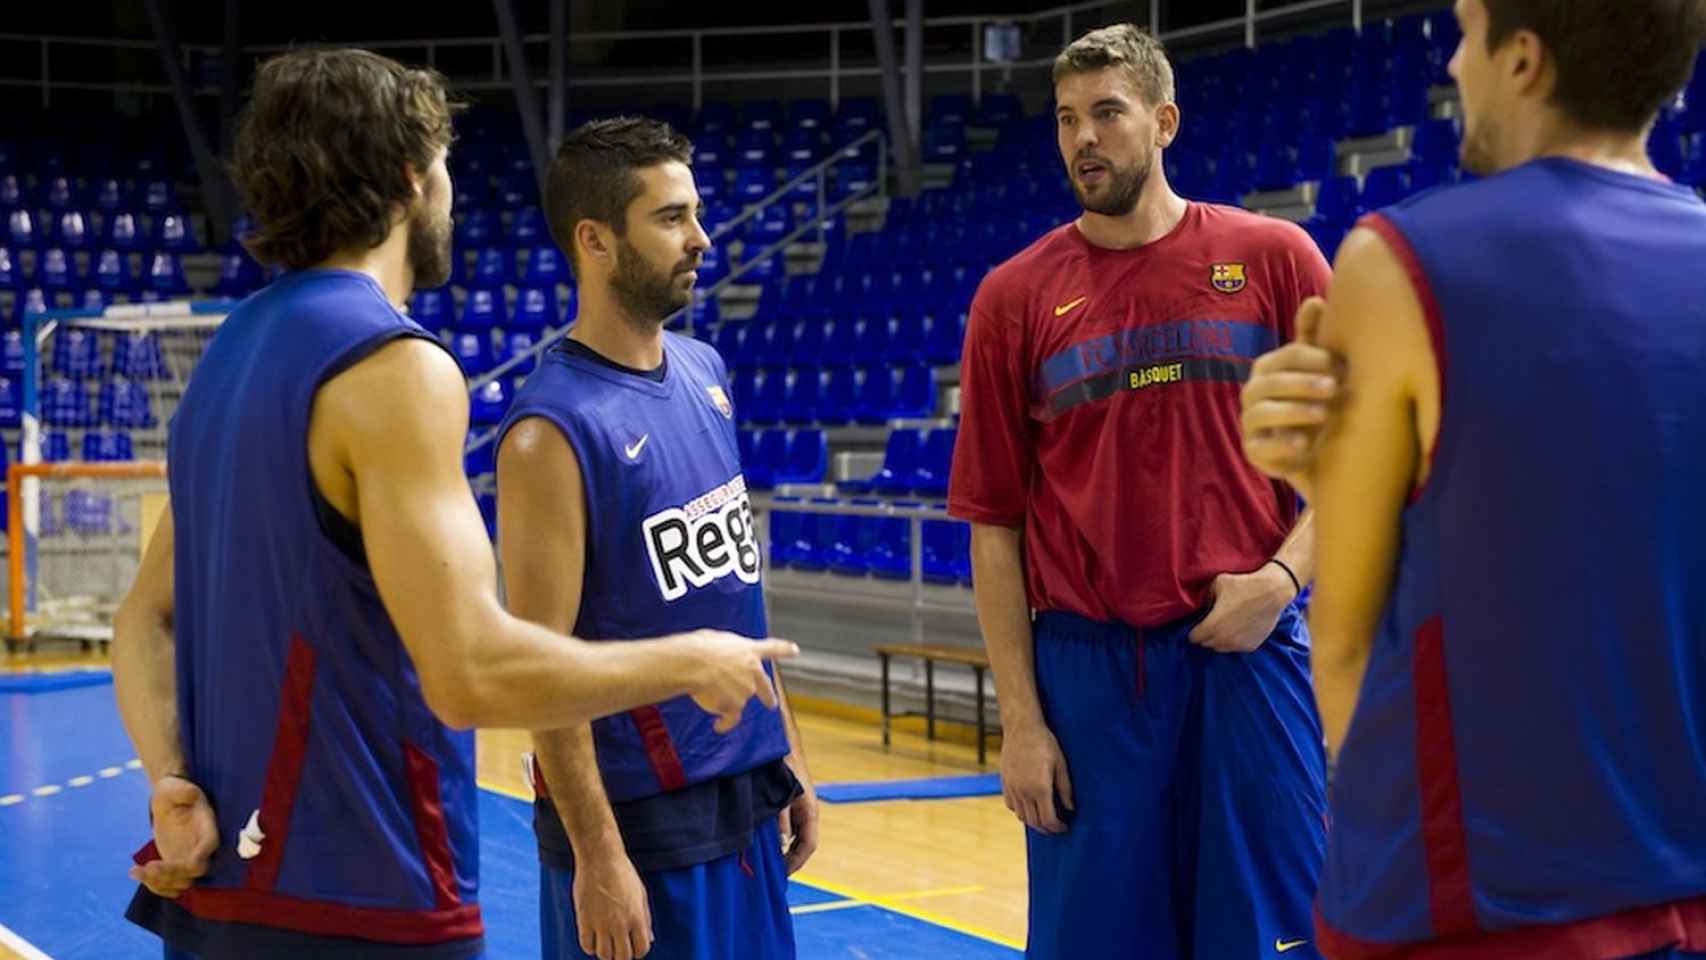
(633, 449)
(1285, 946)
(1067, 308)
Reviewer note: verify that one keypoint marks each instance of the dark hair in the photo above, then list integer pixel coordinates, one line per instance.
(322, 146)
(1618, 60)
(595, 173)
(1132, 50)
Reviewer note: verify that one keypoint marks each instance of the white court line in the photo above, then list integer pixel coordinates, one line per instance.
(20, 946)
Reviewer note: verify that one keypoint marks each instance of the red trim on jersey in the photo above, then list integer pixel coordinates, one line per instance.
(321, 918)
(284, 767)
(1406, 254)
(660, 748)
(1450, 903)
(430, 829)
(1631, 933)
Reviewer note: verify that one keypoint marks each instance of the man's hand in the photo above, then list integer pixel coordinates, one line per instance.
(731, 672)
(611, 910)
(1287, 400)
(1247, 607)
(185, 834)
(798, 823)
(1033, 771)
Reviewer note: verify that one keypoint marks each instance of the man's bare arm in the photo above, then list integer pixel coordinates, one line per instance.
(1366, 466)
(144, 677)
(396, 423)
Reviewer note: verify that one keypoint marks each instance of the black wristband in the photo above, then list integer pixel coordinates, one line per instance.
(1288, 572)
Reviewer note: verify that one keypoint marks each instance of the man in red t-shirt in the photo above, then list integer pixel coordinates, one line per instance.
(1161, 740)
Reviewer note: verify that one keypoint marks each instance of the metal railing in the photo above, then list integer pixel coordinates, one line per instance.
(835, 69)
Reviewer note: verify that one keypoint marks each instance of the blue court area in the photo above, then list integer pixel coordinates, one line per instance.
(72, 811)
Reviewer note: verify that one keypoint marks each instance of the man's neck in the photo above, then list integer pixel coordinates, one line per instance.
(1613, 150)
(1158, 211)
(602, 326)
(387, 264)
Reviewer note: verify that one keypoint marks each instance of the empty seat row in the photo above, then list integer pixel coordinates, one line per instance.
(857, 546)
(772, 458)
(915, 462)
(170, 231)
(833, 396)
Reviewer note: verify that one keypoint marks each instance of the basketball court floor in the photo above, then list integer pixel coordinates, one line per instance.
(892, 880)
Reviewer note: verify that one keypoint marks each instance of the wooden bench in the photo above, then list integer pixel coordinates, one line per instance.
(974, 657)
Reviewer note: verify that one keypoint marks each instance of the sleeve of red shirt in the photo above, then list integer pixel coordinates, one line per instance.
(1307, 275)
(992, 454)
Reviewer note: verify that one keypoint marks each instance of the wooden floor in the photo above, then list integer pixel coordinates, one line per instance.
(959, 863)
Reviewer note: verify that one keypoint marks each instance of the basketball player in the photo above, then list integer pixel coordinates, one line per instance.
(1512, 535)
(1160, 741)
(623, 513)
(321, 598)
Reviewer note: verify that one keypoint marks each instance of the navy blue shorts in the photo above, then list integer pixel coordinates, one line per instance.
(734, 908)
(1199, 781)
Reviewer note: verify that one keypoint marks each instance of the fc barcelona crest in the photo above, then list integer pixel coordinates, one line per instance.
(721, 401)
(1227, 277)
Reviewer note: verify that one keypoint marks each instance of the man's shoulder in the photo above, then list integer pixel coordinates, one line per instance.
(1260, 233)
(1015, 280)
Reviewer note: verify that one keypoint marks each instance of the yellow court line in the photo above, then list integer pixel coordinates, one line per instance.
(895, 902)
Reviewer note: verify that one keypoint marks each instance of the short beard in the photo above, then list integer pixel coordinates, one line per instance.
(647, 296)
(1123, 190)
(429, 249)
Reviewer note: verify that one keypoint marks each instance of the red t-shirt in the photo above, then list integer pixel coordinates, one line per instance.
(1099, 410)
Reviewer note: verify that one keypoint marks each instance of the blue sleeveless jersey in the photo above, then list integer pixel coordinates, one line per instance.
(1527, 762)
(670, 547)
(300, 707)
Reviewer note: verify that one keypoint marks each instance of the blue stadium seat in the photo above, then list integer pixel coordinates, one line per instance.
(911, 329)
(997, 109)
(805, 390)
(71, 230)
(900, 464)
(852, 542)
(872, 346)
(476, 230)
(166, 276)
(529, 230)
(743, 385)
(784, 531)
(432, 308)
(1384, 186)
(753, 184)
(838, 397)
(807, 458)
(546, 267)
(30, 301)
(137, 357)
(705, 315)
(536, 309)
(809, 114)
(174, 233)
(483, 310)
(11, 270)
(76, 352)
(517, 189)
(875, 396)
(769, 454)
(493, 267)
(473, 350)
(770, 397)
(239, 276)
(947, 334)
(120, 232)
(107, 445)
(490, 402)
(1425, 175)
(1339, 200)
(728, 341)
(946, 552)
(64, 403)
(809, 340)
(714, 117)
(159, 196)
(915, 396)
(21, 230)
(110, 195)
(812, 551)
(55, 448)
(11, 404)
(1694, 163)
(56, 272)
(890, 557)
(761, 115)
(518, 343)
(1435, 141)
(14, 192)
(935, 458)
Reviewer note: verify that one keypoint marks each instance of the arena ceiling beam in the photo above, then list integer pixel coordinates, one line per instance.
(526, 102)
(900, 129)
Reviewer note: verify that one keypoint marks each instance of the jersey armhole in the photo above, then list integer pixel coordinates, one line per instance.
(1407, 258)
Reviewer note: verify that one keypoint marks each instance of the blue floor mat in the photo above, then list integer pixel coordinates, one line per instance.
(48, 682)
(932, 788)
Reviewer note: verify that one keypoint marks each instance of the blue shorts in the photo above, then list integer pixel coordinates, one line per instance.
(735, 908)
(1199, 782)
